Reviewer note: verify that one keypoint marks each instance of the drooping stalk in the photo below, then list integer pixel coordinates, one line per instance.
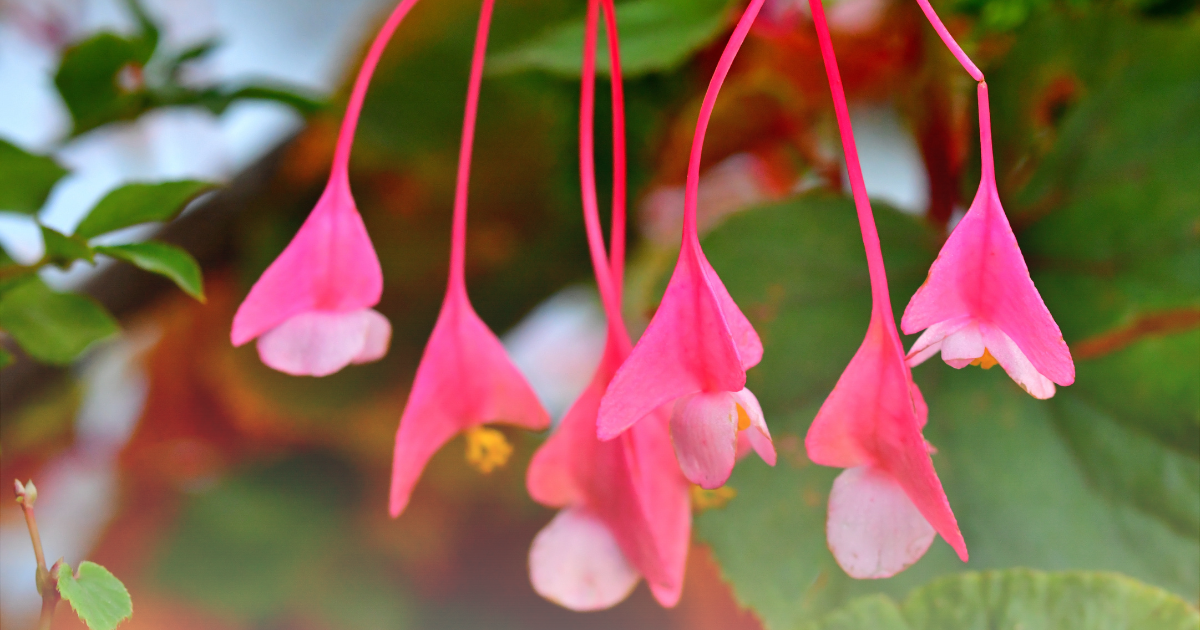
(985, 135)
(955, 49)
(617, 246)
(882, 304)
(341, 156)
(692, 191)
(458, 238)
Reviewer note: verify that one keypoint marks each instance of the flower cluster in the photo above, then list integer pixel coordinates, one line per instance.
(672, 410)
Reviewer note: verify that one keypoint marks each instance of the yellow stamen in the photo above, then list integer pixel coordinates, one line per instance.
(987, 361)
(743, 419)
(487, 449)
(711, 499)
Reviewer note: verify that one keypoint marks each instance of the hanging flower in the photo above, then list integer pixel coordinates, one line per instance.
(311, 310)
(465, 378)
(886, 507)
(698, 345)
(624, 503)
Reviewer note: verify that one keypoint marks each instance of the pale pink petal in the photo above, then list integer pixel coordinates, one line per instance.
(962, 347)
(576, 563)
(465, 379)
(930, 342)
(1010, 357)
(704, 431)
(873, 528)
(687, 348)
(758, 436)
(330, 265)
(319, 343)
(378, 338)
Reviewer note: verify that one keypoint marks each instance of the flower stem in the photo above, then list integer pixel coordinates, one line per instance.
(46, 584)
(947, 39)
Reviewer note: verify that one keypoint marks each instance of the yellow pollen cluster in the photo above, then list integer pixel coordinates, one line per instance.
(743, 419)
(711, 499)
(986, 361)
(487, 449)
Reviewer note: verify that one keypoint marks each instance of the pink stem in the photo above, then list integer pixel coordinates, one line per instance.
(458, 239)
(692, 191)
(985, 136)
(587, 174)
(955, 49)
(870, 235)
(341, 155)
(617, 247)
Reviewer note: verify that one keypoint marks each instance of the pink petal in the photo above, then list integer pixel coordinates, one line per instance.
(873, 529)
(1010, 357)
(871, 418)
(980, 273)
(688, 347)
(963, 346)
(758, 436)
(464, 379)
(930, 342)
(704, 431)
(319, 343)
(330, 265)
(576, 563)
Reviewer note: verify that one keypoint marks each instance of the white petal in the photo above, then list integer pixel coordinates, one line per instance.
(1010, 357)
(758, 435)
(319, 343)
(874, 530)
(962, 347)
(377, 339)
(704, 432)
(930, 341)
(576, 563)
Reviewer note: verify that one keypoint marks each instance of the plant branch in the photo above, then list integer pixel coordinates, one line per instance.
(47, 583)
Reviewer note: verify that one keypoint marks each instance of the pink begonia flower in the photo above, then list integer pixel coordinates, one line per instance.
(625, 504)
(698, 344)
(465, 378)
(886, 507)
(311, 309)
(978, 305)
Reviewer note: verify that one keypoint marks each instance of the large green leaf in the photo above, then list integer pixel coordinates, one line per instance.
(97, 596)
(25, 179)
(1021, 599)
(655, 35)
(134, 204)
(91, 84)
(1011, 467)
(53, 327)
(163, 259)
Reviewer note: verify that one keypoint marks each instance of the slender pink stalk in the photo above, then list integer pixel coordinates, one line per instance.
(617, 247)
(985, 136)
(692, 191)
(341, 156)
(866, 220)
(955, 49)
(458, 238)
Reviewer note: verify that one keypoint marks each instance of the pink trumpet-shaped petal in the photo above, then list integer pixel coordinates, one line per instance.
(465, 379)
(875, 531)
(330, 266)
(319, 343)
(980, 276)
(576, 563)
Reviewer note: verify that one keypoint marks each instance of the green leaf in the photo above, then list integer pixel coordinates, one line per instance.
(656, 36)
(63, 250)
(1010, 466)
(1024, 599)
(217, 100)
(134, 204)
(25, 179)
(97, 596)
(90, 83)
(163, 259)
(53, 327)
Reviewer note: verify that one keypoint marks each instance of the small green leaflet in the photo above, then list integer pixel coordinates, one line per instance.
(62, 250)
(97, 596)
(134, 204)
(90, 79)
(53, 327)
(656, 36)
(1021, 598)
(25, 179)
(163, 259)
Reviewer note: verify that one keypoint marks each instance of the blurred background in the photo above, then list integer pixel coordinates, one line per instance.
(226, 495)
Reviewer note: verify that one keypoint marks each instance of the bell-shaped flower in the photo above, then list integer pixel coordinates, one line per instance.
(465, 378)
(625, 506)
(698, 341)
(979, 305)
(311, 310)
(885, 509)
